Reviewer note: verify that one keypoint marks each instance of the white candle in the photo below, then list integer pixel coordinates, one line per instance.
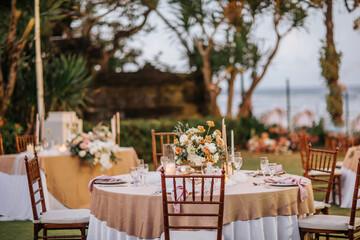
(232, 143)
(37, 129)
(118, 123)
(42, 129)
(170, 169)
(113, 128)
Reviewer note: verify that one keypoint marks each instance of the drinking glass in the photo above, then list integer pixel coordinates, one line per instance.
(135, 174)
(168, 151)
(264, 164)
(272, 169)
(144, 173)
(237, 159)
(164, 161)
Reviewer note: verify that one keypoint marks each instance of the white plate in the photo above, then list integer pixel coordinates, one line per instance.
(114, 182)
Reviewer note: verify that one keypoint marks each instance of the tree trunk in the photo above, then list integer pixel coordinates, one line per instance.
(330, 66)
(231, 80)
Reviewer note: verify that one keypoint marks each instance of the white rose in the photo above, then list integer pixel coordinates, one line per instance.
(216, 157)
(211, 147)
(183, 138)
(82, 153)
(197, 160)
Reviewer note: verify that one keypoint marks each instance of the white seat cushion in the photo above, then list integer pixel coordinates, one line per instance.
(337, 172)
(339, 164)
(320, 205)
(66, 216)
(192, 235)
(327, 222)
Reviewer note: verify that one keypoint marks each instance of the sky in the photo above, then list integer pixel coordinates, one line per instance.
(297, 58)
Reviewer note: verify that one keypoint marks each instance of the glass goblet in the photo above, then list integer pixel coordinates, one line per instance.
(272, 169)
(135, 174)
(264, 164)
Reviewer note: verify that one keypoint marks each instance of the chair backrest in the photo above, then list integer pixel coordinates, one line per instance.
(356, 197)
(196, 199)
(35, 185)
(22, 141)
(157, 149)
(341, 141)
(1, 145)
(320, 168)
(303, 147)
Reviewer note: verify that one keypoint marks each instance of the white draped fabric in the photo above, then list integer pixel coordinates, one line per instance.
(348, 178)
(267, 228)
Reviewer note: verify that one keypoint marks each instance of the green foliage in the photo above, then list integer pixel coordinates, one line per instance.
(66, 84)
(8, 131)
(330, 62)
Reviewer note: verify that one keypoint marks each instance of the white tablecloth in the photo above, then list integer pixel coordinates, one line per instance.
(267, 228)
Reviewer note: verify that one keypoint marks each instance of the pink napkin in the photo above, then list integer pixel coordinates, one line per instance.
(179, 194)
(279, 168)
(291, 180)
(104, 178)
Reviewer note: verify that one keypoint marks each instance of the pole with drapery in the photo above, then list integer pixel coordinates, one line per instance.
(39, 71)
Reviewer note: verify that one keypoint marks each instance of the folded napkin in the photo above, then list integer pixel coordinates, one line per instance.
(179, 194)
(104, 178)
(279, 168)
(291, 180)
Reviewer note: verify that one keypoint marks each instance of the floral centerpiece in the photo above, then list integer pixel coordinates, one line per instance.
(96, 147)
(196, 145)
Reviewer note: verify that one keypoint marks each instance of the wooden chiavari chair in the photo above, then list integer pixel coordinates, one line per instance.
(303, 148)
(1, 145)
(196, 200)
(22, 141)
(51, 219)
(157, 150)
(320, 169)
(329, 225)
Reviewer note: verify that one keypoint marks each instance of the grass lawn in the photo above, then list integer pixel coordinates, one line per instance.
(23, 230)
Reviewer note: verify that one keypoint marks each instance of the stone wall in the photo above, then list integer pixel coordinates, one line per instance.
(148, 93)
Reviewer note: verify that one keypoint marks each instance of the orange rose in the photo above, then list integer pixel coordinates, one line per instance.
(202, 141)
(176, 140)
(218, 132)
(201, 128)
(178, 151)
(208, 139)
(206, 150)
(210, 123)
(219, 141)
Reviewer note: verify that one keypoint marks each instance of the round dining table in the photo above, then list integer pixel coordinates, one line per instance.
(252, 209)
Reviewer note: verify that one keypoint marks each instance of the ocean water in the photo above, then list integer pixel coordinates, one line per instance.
(313, 99)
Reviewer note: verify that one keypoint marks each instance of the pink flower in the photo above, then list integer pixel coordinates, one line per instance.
(85, 136)
(82, 145)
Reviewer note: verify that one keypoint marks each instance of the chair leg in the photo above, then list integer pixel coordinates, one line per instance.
(83, 236)
(302, 235)
(36, 231)
(45, 232)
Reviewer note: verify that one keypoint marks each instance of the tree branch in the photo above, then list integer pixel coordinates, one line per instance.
(182, 40)
(15, 14)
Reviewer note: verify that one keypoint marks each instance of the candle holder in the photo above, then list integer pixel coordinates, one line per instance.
(228, 166)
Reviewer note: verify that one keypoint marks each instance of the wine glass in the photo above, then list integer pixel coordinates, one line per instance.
(145, 171)
(238, 161)
(135, 174)
(264, 164)
(272, 169)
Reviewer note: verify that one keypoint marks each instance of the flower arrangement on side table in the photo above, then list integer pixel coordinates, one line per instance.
(196, 145)
(96, 147)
